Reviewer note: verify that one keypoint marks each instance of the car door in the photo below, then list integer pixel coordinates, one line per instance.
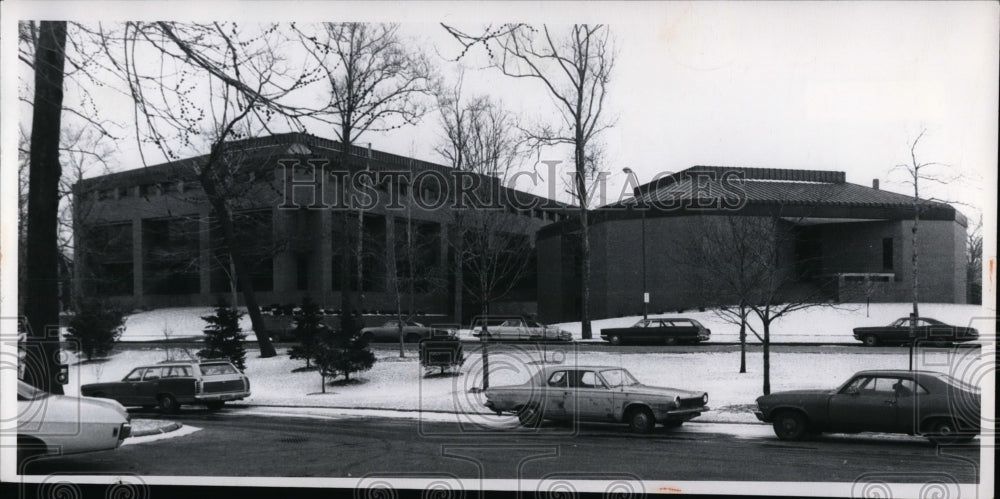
(556, 395)
(651, 331)
(179, 382)
(868, 404)
(590, 398)
(684, 329)
(147, 389)
(125, 392)
(908, 397)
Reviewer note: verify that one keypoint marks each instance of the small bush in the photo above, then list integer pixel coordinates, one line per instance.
(97, 325)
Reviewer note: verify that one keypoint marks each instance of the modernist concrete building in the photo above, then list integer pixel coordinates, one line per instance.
(845, 240)
(148, 234)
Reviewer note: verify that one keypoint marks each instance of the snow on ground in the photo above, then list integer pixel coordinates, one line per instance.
(400, 384)
(182, 431)
(816, 325)
(813, 325)
(172, 323)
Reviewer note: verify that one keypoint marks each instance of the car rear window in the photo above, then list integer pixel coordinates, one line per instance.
(217, 369)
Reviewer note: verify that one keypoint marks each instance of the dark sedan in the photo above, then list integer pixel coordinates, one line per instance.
(665, 330)
(412, 331)
(927, 403)
(924, 329)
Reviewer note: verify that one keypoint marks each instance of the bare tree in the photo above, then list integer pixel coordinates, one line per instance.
(375, 83)
(725, 267)
(974, 262)
(242, 75)
(492, 252)
(575, 70)
(916, 173)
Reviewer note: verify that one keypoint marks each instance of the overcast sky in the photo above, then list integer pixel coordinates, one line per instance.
(830, 86)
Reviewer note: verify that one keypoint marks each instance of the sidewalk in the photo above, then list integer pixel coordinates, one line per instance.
(143, 427)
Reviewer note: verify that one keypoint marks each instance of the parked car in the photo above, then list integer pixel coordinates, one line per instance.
(665, 330)
(61, 424)
(519, 328)
(412, 331)
(926, 403)
(925, 329)
(171, 384)
(595, 393)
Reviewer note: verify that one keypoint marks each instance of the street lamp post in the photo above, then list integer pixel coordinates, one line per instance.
(642, 215)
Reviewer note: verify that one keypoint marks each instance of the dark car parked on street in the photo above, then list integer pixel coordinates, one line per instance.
(412, 331)
(170, 384)
(666, 330)
(925, 329)
(932, 404)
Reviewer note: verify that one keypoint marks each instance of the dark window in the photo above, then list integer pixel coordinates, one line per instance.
(171, 258)
(107, 253)
(302, 272)
(255, 239)
(887, 253)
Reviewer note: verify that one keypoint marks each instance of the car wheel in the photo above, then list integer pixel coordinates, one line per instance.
(670, 340)
(168, 403)
(615, 339)
(871, 340)
(529, 416)
(641, 420)
(790, 425)
(367, 337)
(215, 405)
(945, 432)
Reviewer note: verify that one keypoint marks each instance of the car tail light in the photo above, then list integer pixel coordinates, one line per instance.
(246, 384)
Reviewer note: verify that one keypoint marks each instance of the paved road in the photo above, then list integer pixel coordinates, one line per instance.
(231, 444)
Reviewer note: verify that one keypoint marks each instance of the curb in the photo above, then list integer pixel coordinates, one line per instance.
(436, 411)
(154, 427)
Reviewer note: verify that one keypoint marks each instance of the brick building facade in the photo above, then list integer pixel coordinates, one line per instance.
(148, 235)
(852, 241)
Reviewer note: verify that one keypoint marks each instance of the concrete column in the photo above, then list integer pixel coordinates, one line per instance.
(321, 281)
(283, 262)
(205, 256)
(390, 241)
(137, 290)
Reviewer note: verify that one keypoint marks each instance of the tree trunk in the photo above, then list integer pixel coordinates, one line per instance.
(767, 356)
(485, 340)
(743, 340)
(42, 299)
(581, 192)
(239, 263)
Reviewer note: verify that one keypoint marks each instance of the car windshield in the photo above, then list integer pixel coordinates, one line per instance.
(28, 392)
(215, 369)
(618, 377)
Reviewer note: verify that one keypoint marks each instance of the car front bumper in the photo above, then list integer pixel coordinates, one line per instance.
(760, 416)
(681, 414)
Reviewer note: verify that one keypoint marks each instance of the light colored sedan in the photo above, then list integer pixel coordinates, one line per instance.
(523, 330)
(50, 424)
(597, 394)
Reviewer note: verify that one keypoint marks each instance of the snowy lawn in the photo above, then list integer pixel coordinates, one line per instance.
(400, 384)
(816, 325)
